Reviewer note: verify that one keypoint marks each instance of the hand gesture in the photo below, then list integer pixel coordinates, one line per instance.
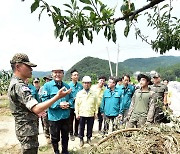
(42, 114)
(63, 92)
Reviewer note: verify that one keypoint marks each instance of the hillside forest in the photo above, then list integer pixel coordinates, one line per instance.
(167, 66)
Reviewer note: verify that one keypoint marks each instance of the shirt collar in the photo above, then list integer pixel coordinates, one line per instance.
(54, 83)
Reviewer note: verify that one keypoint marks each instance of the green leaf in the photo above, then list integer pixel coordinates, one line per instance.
(92, 16)
(62, 34)
(71, 33)
(109, 34)
(88, 8)
(175, 18)
(85, 1)
(124, 8)
(56, 9)
(68, 12)
(102, 7)
(167, 5)
(105, 31)
(114, 36)
(91, 36)
(80, 37)
(126, 31)
(132, 7)
(34, 6)
(68, 5)
(87, 34)
(57, 31)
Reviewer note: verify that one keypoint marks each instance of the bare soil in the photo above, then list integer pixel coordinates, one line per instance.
(10, 145)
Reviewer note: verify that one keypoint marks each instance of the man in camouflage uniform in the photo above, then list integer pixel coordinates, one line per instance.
(24, 106)
(142, 106)
(161, 91)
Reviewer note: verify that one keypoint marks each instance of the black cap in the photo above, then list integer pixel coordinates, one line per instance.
(146, 76)
(47, 77)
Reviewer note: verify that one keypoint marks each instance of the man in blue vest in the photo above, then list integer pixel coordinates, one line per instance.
(33, 89)
(59, 112)
(127, 91)
(110, 105)
(76, 87)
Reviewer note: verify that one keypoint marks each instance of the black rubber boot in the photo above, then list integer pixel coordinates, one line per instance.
(56, 148)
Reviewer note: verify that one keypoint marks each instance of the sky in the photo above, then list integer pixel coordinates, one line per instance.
(21, 31)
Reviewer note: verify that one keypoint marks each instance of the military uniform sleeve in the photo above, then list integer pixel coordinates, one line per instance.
(131, 108)
(165, 94)
(150, 114)
(25, 96)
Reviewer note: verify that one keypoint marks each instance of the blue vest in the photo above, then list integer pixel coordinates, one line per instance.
(55, 113)
(126, 95)
(110, 104)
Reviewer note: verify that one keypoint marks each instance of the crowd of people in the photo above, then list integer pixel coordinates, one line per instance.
(65, 109)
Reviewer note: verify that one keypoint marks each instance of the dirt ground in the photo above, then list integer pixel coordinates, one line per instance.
(10, 144)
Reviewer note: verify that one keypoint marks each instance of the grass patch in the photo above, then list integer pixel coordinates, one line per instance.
(4, 103)
(45, 148)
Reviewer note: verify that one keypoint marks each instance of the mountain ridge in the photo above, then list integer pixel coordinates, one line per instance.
(96, 66)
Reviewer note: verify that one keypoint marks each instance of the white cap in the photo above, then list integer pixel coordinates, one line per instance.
(57, 68)
(86, 79)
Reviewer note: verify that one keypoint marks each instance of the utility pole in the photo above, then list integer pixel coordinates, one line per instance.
(109, 62)
(117, 62)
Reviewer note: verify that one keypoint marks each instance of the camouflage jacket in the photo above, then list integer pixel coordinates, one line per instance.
(160, 90)
(21, 103)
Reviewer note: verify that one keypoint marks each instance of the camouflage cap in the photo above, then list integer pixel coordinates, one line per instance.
(22, 58)
(156, 75)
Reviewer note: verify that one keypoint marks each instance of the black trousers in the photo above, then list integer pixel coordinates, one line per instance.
(90, 123)
(71, 120)
(57, 127)
(100, 119)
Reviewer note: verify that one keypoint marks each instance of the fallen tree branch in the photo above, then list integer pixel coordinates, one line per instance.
(117, 132)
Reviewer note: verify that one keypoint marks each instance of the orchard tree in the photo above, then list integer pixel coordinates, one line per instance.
(95, 16)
